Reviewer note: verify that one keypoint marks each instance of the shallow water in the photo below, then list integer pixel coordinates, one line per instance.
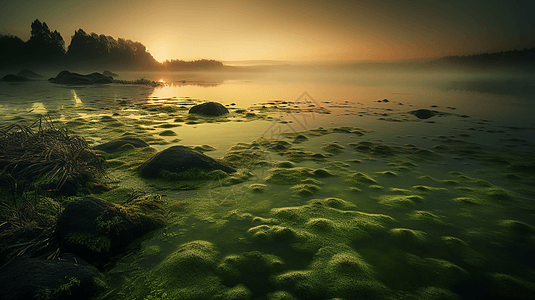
(456, 220)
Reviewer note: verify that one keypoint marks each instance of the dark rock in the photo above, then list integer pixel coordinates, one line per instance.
(33, 278)
(28, 74)
(385, 100)
(424, 113)
(14, 78)
(112, 146)
(97, 230)
(178, 159)
(66, 77)
(109, 73)
(300, 138)
(209, 109)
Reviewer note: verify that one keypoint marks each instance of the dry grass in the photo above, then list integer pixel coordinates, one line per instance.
(42, 153)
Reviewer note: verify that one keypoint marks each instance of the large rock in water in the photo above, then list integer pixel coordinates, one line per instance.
(14, 78)
(66, 77)
(112, 146)
(28, 74)
(51, 279)
(424, 113)
(97, 230)
(209, 109)
(178, 159)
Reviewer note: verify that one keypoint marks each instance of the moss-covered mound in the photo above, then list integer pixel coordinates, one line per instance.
(294, 175)
(317, 224)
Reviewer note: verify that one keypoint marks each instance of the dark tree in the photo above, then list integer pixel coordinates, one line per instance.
(44, 43)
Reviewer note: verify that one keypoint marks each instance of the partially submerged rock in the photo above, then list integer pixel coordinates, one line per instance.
(112, 146)
(14, 78)
(97, 229)
(209, 109)
(178, 159)
(109, 73)
(66, 77)
(426, 113)
(28, 74)
(34, 278)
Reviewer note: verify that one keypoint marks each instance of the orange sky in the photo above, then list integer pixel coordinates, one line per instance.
(229, 30)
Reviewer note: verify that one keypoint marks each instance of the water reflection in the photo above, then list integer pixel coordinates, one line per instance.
(77, 100)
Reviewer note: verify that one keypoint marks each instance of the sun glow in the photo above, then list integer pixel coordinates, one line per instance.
(160, 53)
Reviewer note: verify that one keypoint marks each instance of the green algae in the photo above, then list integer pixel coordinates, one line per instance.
(294, 175)
(436, 293)
(333, 148)
(433, 272)
(94, 242)
(511, 287)
(518, 227)
(359, 178)
(244, 155)
(336, 272)
(283, 164)
(408, 235)
(305, 189)
(399, 201)
(258, 187)
(387, 173)
(425, 216)
(319, 223)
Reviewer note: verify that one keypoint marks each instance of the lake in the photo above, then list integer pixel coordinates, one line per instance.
(372, 203)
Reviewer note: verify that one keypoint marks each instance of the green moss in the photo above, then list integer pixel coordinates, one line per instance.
(294, 175)
(333, 148)
(387, 173)
(188, 273)
(301, 226)
(518, 227)
(435, 293)
(408, 235)
(280, 295)
(63, 291)
(425, 216)
(193, 174)
(466, 201)
(239, 292)
(399, 201)
(244, 155)
(511, 287)
(305, 189)
(376, 187)
(336, 272)
(359, 178)
(433, 272)
(283, 164)
(399, 191)
(427, 189)
(167, 133)
(258, 187)
(93, 242)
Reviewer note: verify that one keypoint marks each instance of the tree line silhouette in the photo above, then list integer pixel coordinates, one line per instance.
(521, 59)
(46, 47)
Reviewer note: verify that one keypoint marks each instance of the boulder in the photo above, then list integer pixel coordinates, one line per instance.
(66, 77)
(97, 230)
(424, 113)
(33, 278)
(28, 74)
(109, 73)
(112, 146)
(178, 159)
(14, 78)
(209, 109)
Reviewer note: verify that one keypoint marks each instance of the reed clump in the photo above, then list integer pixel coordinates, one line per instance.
(41, 154)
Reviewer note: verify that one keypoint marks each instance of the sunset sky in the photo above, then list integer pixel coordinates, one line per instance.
(289, 30)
